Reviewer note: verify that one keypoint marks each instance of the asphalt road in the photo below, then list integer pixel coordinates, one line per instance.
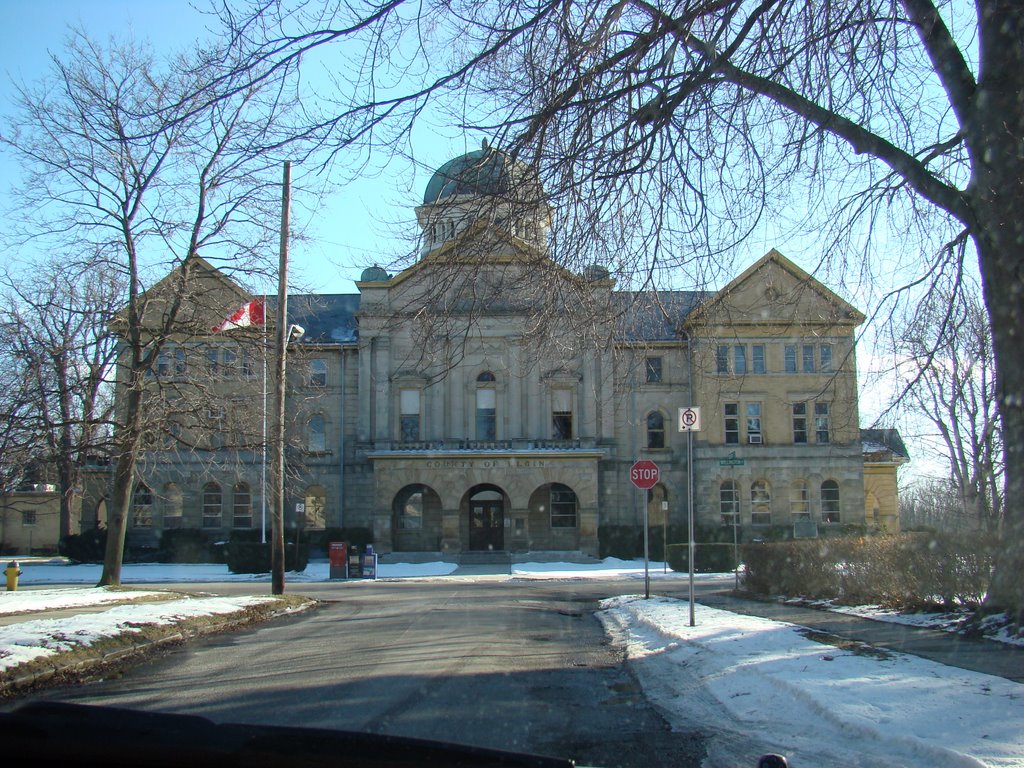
(523, 666)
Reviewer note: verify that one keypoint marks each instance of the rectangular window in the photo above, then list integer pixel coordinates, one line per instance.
(739, 359)
(822, 427)
(318, 373)
(799, 422)
(241, 516)
(757, 358)
(825, 358)
(799, 503)
(790, 358)
(486, 414)
(732, 423)
(212, 362)
(563, 507)
(722, 359)
(28, 517)
(409, 410)
(180, 363)
(230, 361)
(163, 363)
(753, 411)
(653, 370)
(808, 358)
(248, 366)
(561, 414)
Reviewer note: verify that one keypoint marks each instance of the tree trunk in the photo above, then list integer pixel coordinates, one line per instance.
(995, 136)
(124, 477)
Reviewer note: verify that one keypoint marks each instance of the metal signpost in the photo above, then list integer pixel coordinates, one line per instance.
(644, 474)
(689, 422)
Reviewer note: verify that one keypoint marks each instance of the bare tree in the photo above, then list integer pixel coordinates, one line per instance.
(947, 356)
(62, 348)
(138, 166)
(664, 130)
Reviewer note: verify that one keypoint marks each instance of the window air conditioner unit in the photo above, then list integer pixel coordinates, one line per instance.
(755, 439)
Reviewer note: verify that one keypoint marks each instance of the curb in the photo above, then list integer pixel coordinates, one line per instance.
(38, 672)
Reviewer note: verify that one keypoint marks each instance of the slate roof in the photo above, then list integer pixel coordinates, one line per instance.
(327, 318)
(642, 316)
(883, 440)
(654, 315)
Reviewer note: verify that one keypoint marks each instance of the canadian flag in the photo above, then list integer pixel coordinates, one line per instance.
(245, 316)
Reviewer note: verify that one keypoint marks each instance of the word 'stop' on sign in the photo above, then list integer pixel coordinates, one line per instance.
(644, 474)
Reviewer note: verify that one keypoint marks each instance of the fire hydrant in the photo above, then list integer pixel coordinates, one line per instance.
(12, 572)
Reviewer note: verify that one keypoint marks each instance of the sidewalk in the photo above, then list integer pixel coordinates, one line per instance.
(951, 649)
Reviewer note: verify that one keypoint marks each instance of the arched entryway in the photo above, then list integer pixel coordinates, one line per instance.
(486, 518)
(416, 519)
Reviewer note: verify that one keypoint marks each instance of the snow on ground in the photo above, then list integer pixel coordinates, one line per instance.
(767, 687)
(35, 638)
(170, 573)
(319, 570)
(609, 568)
(948, 622)
(52, 599)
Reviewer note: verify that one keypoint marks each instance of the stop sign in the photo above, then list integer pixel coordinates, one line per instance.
(644, 474)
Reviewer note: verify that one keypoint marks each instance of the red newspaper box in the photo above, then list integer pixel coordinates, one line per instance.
(337, 552)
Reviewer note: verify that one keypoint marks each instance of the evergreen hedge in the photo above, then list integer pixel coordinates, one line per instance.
(909, 571)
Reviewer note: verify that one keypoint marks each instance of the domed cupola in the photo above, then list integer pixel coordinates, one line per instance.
(486, 184)
(374, 274)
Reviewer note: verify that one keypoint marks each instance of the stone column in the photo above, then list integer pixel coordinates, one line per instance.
(451, 539)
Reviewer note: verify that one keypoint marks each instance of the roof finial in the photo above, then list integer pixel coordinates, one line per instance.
(485, 144)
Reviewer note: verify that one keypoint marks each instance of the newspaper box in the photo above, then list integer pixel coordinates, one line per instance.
(337, 553)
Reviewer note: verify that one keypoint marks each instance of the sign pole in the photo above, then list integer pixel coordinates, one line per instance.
(689, 515)
(647, 538)
(644, 474)
(689, 422)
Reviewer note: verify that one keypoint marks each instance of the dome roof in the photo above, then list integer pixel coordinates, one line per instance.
(484, 172)
(374, 274)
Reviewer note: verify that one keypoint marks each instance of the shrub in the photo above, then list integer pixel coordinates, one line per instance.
(184, 545)
(622, 541)
(254, 557)
(85, 547)
(905, 571)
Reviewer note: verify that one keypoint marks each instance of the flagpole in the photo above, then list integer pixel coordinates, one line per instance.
(263, 442)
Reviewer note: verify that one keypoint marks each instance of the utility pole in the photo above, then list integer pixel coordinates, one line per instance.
(277, 524)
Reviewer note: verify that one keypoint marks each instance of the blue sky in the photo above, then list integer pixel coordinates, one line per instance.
(360, 225)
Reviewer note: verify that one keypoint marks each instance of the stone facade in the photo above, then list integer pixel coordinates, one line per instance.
(454, 407)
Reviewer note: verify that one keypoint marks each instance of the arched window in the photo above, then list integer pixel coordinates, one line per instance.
(655, 430)
(171, 494)
(212, 503)
(142, 506)
(317, 435)
(409, 508)
(799, 502)
(729, 502)
(241, 509)
(486, 407)
(563, 506)
(830, 502)
(760, 503)
(316, 507)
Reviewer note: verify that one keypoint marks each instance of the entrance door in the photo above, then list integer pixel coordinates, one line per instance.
(487, 521)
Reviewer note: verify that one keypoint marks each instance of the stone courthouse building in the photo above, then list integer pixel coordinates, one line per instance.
(486, 399)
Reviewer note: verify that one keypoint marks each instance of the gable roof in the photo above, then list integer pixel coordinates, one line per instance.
(844, 310)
